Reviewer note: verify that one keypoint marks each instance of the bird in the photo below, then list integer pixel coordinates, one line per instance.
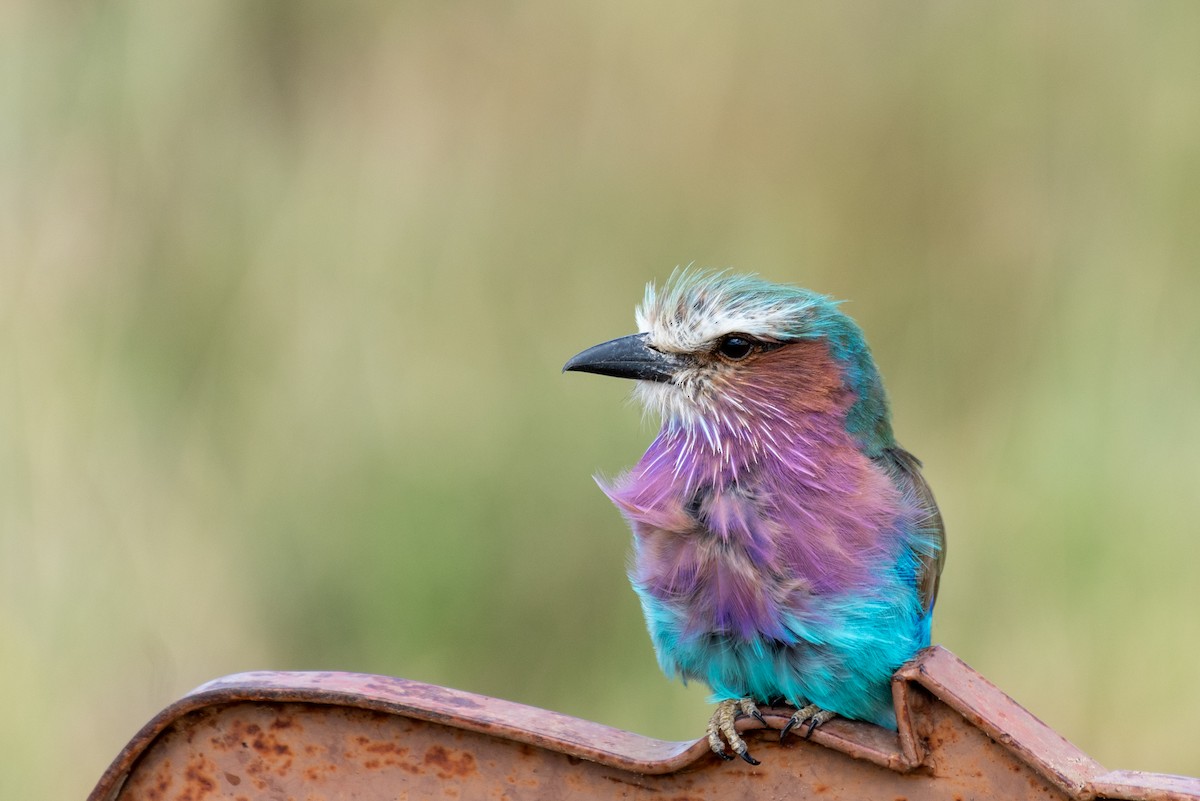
(785, 547)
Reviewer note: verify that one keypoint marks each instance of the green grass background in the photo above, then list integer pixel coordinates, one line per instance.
(285, 288)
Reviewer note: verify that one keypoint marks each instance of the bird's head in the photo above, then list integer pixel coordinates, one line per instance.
(738, 353)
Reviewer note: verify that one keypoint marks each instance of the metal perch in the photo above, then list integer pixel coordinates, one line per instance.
(284, 735)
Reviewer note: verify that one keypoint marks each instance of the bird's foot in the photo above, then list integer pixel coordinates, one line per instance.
(721, 723)
(812, 714)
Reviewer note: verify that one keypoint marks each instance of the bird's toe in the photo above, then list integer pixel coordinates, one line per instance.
(722, 729)
(812, 714)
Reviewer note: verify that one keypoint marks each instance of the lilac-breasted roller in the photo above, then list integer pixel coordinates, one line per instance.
(784, 546)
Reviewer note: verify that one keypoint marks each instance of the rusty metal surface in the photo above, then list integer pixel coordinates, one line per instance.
(343, 735)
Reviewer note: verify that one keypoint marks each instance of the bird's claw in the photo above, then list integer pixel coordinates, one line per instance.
(812, 714)
(721, 724)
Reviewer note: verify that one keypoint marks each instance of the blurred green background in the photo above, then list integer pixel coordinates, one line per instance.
(286, 288)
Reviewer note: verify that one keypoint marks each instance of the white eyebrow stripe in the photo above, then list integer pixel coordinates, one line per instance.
(693, 310)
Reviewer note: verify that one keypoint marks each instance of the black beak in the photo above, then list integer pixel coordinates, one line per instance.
(627, 357)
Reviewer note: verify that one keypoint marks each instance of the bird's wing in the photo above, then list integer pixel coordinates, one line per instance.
(906, 469)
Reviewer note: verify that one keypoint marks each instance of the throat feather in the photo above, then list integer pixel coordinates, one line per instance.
(744, 537)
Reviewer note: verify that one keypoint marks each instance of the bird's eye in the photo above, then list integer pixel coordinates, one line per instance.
(735, 347)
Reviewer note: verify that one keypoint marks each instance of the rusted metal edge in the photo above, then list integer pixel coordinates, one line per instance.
(987, 707)
(935, 671)
(455, 708)
(1004, 720)
(505, 719)
(1137, 786)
